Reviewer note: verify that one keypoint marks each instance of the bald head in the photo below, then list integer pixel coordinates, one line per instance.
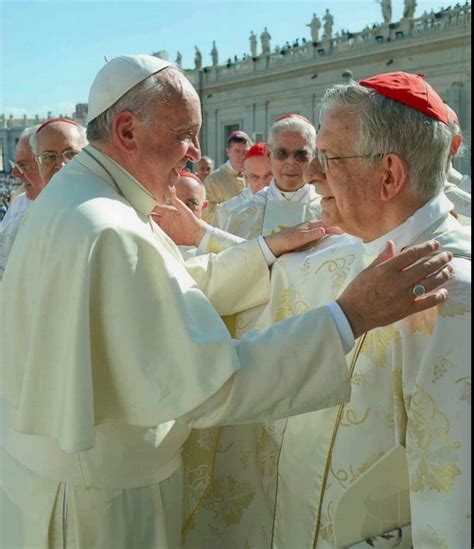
(192, 193)
(55, 144)
(204, 167)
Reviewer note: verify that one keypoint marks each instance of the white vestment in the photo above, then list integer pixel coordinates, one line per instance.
(396, 456)
(9, 227)
(271, 210)
(225, 209)
(113, 353)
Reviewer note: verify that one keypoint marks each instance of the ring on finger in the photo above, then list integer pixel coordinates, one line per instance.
(418, 290)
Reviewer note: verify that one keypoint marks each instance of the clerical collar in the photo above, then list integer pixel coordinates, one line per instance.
(303, 195)
(107, 168)
(408, 232)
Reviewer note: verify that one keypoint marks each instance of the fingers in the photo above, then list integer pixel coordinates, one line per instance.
(428, 301)
(427, 267)
(432, 282)
(414, 253)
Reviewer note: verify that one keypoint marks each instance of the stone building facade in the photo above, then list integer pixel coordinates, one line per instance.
(249, 94)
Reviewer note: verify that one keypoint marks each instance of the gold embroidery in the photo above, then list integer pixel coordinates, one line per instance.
(428, 445)
(339, 268)
(357, 379)
(267, 454)
(465, 389)
(350, 417)
(228, 499)
(378, 343)
(400, 415)
(441, 543)
(290, 304)
(440, 368)
(326, 530)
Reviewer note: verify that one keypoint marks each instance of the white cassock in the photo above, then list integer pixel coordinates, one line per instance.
(271, 210)
(9, 227)
(395, 460)
(225, 209)
(221, 185)
(113, 353)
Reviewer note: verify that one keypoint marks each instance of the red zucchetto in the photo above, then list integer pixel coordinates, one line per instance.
(293, 115)
(259, 149)
(60, 119)
(191, 175)
(411, 90)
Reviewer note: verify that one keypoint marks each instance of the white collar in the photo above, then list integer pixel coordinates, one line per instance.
(407, 233)
(303, 195)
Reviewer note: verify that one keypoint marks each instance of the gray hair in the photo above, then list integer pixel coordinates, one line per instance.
(306, 129)
(141, 99)
(387, 126)
(207, 158)
(33, 141)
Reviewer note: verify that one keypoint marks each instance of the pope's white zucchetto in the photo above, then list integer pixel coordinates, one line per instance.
(117, 77)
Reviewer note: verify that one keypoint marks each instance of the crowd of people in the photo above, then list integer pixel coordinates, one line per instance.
(270, 353)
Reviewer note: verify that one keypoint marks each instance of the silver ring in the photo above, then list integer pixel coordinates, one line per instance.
(418, 290)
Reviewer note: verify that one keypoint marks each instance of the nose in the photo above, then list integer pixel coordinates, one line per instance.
(194, 151)
(314, 171)
(16, 172)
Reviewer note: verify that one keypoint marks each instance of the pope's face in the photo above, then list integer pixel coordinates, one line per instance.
(289, 172)
(236, 153)
(26, 169)
(351, 187)
(58, 142)
(168, 142)
(258, 172)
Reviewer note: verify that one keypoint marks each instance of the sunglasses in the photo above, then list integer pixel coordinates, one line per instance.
(300, 155)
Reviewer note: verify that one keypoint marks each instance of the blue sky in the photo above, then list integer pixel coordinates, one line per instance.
(51, 51)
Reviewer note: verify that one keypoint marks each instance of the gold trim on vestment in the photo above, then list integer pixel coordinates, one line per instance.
(189, 521)
(333, 441)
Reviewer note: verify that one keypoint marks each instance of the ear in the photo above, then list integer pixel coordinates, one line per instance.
(394, 176)
(455, 144)
(205, 204)
(124, 129)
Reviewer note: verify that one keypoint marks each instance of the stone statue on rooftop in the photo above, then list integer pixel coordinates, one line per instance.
(386, 10)
(253, 44)
(315, 26)
(197, 58)
(265, 39)
(179, 59)
(409, 9)
(328, 24)
(214, 54)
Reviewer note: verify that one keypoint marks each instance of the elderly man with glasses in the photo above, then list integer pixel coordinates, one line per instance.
(55, 143)
(25, 168)
(288, 200)
(391, 468)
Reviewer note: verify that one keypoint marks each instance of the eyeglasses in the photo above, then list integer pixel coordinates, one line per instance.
(323, 158)
(51, 157)
(22, 167)
(300, 155)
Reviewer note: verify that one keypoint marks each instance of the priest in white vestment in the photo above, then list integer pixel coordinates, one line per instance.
(257, 173)
(114, 352)
(288, 200)
(391, 468)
